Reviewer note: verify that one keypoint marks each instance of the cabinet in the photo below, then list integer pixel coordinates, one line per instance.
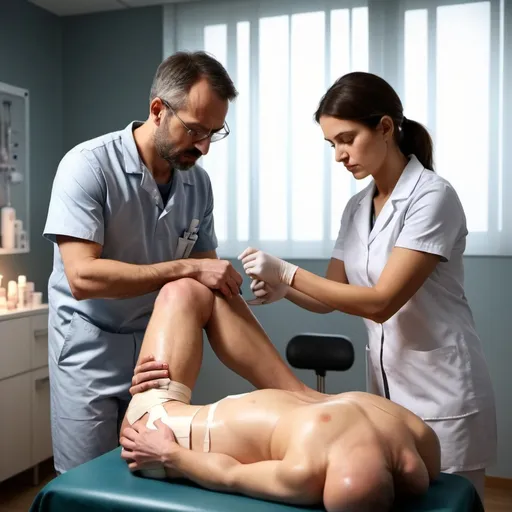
(25, 437)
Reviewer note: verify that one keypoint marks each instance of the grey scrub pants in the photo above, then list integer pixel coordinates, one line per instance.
(90, 377)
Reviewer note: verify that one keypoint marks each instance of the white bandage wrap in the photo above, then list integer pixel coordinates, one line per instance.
(141, 403)
(151, 402)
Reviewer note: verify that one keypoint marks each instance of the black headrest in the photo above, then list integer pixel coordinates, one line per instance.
(320, 352)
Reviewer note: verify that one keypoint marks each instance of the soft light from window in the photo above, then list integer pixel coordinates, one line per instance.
(216, 161)
(306, 178)
(273, 127)
(243, 129)
(360, 58)
(341, 179)
(360, 54)
(462, 107)
(416, 65)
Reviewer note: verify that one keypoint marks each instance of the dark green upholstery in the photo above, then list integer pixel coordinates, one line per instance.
(106, 484)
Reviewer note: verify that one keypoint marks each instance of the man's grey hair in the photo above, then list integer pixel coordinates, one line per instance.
(180, 71)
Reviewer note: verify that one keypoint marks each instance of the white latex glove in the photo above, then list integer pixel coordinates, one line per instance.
(266, 294)
(264, 267)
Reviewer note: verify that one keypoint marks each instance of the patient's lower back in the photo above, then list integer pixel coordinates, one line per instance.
(243, 427)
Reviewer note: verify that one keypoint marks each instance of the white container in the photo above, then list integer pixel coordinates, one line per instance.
(12, 294)
(18, 229)
(8, 218)
(22, 286)
(37, 299)
(29, 290)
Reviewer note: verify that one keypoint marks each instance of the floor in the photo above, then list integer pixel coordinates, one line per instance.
(17, 493)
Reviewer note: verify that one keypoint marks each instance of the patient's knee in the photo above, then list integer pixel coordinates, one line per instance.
(187, 293)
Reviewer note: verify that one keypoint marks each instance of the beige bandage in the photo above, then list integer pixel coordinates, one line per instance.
(151, 402)
(181, 428)
(141, 403)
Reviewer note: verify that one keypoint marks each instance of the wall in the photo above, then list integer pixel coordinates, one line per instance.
(108, 62)
(31, 58)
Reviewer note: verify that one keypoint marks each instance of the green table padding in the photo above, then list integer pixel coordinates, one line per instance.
(105, 484)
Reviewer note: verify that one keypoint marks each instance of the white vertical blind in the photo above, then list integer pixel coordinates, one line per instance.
(275, 181)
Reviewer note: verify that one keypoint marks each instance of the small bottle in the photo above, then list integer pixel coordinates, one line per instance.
(12, 295)
(22, 284)
(8, 216)
(29, 290)
(37, 299)
(3, 299)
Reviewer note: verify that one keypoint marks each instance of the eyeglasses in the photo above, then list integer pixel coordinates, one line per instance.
(197, 134)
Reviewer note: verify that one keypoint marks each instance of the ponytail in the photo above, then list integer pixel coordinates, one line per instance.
(415, 139)
(366, 98)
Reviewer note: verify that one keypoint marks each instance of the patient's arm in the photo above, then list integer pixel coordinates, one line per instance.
(291, 480)
(278, 480)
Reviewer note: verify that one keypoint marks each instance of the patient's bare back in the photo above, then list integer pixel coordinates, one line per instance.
(263, 424)
(243, 426)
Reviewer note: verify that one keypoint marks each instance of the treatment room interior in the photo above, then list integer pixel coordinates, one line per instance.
(89, 73)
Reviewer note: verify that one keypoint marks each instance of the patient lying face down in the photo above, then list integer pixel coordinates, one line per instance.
(283, 442)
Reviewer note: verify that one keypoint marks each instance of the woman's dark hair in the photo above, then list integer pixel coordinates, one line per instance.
(366, 98)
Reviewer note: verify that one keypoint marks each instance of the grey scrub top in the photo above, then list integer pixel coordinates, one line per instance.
(103, 192)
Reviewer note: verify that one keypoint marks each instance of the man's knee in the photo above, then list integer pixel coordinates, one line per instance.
(188, 293)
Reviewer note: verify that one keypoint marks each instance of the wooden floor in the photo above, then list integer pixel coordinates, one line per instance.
(17, 493)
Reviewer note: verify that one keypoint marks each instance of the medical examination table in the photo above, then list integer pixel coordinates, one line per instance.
(105, 484)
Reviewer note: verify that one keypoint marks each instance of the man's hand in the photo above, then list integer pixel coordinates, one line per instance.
(147, 374)
(266, 294)
(219, 275)
(142, 447)
(260, 265)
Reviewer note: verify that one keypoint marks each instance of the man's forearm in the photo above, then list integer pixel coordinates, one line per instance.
(210, 470)
(267, 479)
(110, 279)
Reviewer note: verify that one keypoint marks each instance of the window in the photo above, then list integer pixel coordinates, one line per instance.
(275, 181)
(452, 84)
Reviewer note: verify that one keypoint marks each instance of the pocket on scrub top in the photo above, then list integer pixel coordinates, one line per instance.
(433, 384)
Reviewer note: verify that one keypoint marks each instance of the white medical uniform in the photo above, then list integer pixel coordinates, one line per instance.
(102, 192)
(427, 357)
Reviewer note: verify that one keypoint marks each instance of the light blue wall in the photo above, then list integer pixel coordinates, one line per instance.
(31, 58)
(96, 70)
(109, 62)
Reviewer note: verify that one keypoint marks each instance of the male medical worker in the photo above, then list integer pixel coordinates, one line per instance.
(129, 212)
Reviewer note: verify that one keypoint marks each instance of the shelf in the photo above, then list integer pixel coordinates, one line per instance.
(14, 251)
(5, 314)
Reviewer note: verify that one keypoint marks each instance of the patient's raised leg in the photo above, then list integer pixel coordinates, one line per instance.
(184, 308)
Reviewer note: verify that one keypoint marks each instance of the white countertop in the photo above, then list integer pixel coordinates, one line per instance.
(21, 312)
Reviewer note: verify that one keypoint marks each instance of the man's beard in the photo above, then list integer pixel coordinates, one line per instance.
(168, 152)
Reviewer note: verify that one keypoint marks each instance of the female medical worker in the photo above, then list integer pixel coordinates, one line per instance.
(398, 263)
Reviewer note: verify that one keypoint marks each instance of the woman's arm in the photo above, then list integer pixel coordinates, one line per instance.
(404, 273)
(336, 273)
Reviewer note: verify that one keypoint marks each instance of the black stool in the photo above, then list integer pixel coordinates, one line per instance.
(321, 353)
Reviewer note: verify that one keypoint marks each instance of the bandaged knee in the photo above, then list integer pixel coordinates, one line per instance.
(168, 390)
